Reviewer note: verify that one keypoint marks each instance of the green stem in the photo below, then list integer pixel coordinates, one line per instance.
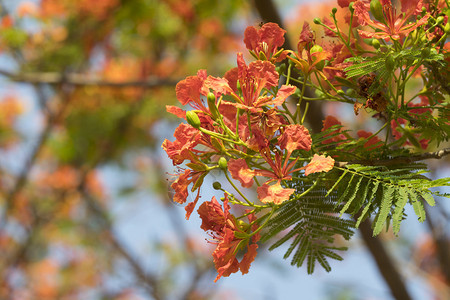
(237, 190)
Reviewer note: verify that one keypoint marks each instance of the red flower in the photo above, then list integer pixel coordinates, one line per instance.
(370, 143)
(252, 79)
(273, 193)
(268, 122)
(180, 186)
(189, 90)
(240, 171)
(329, 122)
(319, 163)
(306, 38)
(279, 171)
(295, 137)
(187, 137)
(265, 40)
(223, 228)
(394, 26)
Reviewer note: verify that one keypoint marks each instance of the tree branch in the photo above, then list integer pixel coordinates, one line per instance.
(399, 160)
(84, 80)
(384, 262)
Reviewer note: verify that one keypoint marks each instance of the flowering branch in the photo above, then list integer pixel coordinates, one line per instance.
(242, 124)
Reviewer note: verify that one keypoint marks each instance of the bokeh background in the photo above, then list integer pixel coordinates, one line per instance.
(85, 208)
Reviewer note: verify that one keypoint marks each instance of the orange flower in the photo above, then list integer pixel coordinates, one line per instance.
(393, 26)
(265, 40)
(273, 193)
(223, 227)
(319, 163)
(240, 171)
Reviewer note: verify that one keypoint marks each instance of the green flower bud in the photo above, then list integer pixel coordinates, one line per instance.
(425, 52)
(351, 92)
(193, 119)
(376, 44)
(316, 48)
(377, 10)
(447, 28)
(350, 7)
(424, 39)
(212, 106)
(317, 21)
(223, 164)
(413, 35)
(390, 63)
(334, 10)
(439, 20)
(217, 185)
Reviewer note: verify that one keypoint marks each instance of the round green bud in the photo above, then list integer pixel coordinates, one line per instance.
(439, 20)
(447, 28)
(193, 119)
(334, 10)
(317, 21)
(315, 48)
(376, 44)
(350, 7)
(217, 185)
(390, 63)
(376, 8)
(351, 92)
(212, 106)
(223, 164)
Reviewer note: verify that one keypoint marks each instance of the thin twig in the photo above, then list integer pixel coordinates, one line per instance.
(84, 80)
(399, 160)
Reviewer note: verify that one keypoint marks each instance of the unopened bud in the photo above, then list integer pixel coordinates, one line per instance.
(350, 7)
(223, 164)
(334, 10)
(212, 106)
(439, 20)
(317, 21)
(316, 48)
(351, 92)
(217, 185)
(376, 44)
(447, 28)
(389, 63)
(377, 10)
(193, 119)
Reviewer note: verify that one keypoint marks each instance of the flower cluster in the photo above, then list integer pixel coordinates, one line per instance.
(243, 124)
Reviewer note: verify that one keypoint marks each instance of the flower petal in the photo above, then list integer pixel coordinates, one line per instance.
(295, 137)
(273, 193)
(239, 170)
(319, 163)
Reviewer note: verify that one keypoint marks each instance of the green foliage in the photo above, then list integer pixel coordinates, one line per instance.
(312, 225)
(310, 221)
(384, 191)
